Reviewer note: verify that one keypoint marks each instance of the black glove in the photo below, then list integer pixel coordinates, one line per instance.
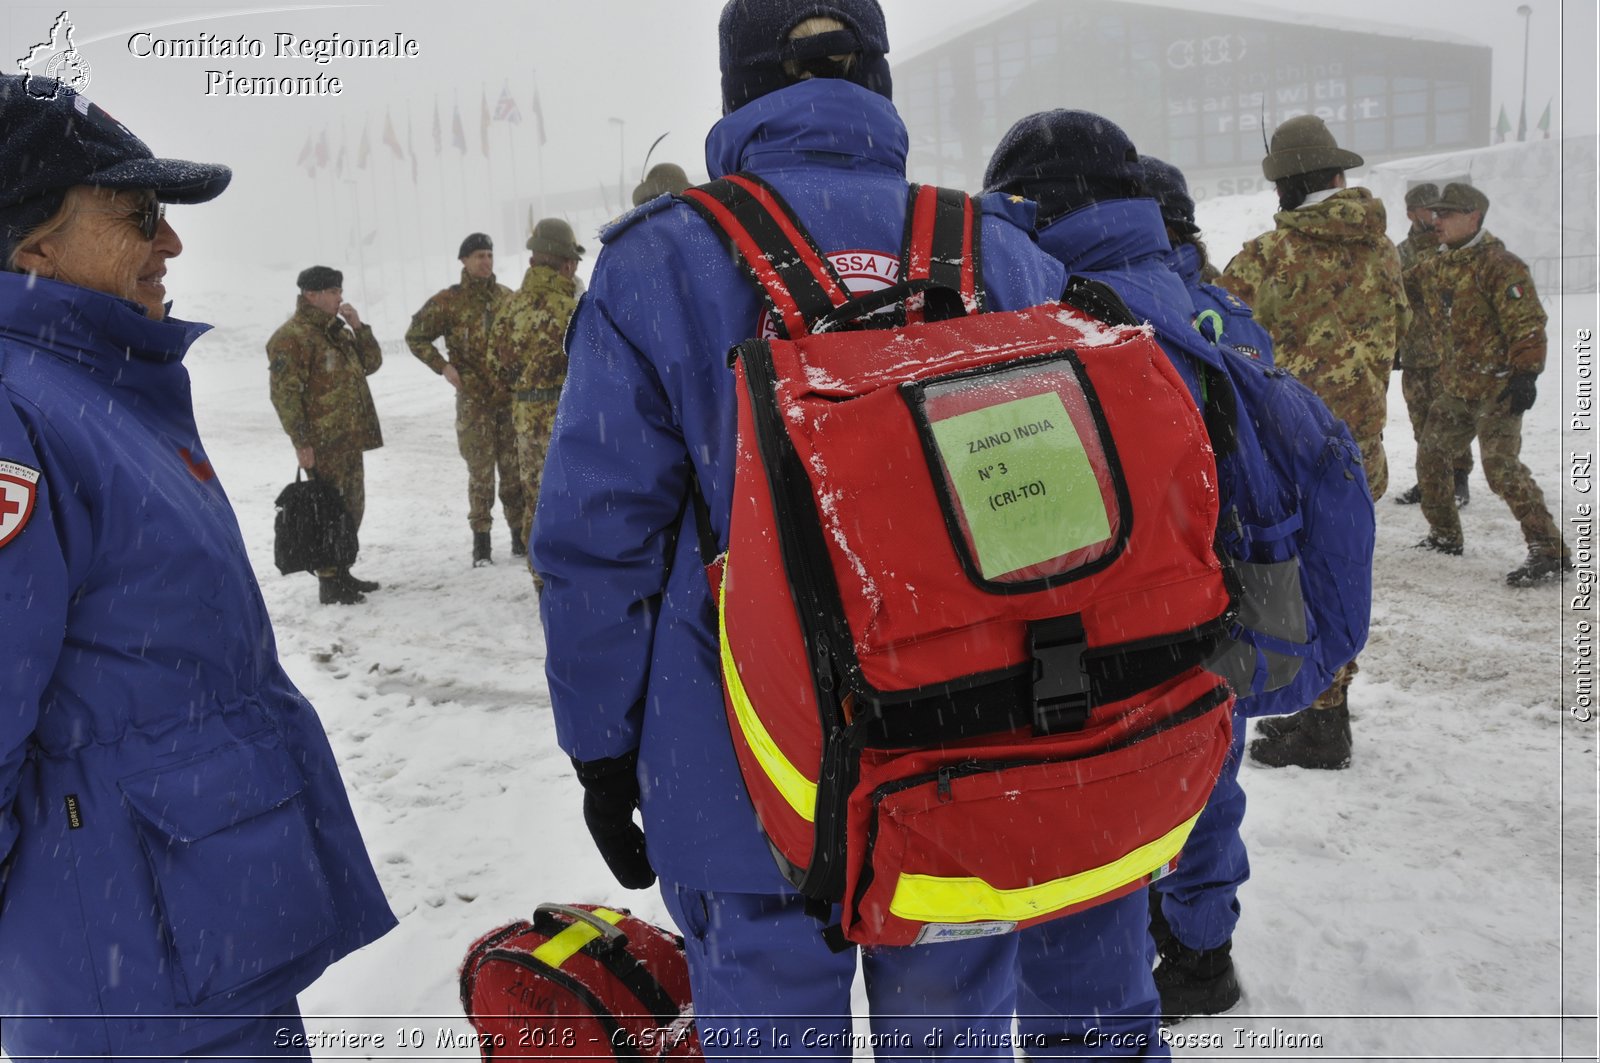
(1520, 392)
(610, 794)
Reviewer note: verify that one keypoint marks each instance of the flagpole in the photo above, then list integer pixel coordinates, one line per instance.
(539, 117)
(316, 198)
(394, 194)
(460, 144)
(483, 139)
(416, 192)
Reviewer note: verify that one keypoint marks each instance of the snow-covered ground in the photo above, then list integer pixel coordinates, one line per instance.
(1436, 900)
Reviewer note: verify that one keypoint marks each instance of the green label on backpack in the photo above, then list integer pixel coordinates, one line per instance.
(1025, 485)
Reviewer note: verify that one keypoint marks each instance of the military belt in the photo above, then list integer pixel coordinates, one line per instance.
(538, 394)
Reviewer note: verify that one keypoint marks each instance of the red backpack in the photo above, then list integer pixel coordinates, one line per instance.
(580, 982)
(969, 582)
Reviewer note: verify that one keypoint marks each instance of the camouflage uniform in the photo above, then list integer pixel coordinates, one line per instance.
(527, 358)
(1479, 299)
(462, 314)
(1326, 284)
(1420, 350)
(319, 370)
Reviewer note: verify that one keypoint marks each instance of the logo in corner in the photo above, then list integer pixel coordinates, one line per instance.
(56, 59)
(19, 488)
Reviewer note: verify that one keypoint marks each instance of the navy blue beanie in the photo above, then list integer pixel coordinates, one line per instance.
(56, 139)
(1165, 183)
(1064, 160)
(754, 39)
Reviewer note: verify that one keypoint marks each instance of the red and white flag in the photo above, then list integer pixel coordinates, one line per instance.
(506, 109)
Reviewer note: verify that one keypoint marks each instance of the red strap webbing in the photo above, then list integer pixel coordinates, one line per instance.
(800, 284)
(941, 245)
(773, 247)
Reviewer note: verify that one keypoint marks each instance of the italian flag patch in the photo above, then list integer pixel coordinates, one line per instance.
(1515, 291)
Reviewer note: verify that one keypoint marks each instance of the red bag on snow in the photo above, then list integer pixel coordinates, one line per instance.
(580, 982)
(985, 707)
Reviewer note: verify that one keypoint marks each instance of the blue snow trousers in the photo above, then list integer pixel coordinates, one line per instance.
(766, 986)
(1084, 985)
(1200, 898)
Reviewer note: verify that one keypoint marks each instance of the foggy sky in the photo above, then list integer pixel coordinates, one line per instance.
(651, 64)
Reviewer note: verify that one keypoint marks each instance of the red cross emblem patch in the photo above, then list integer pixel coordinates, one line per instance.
(19, 487)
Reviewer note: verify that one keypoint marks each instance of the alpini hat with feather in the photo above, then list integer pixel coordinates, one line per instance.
(1302, 145)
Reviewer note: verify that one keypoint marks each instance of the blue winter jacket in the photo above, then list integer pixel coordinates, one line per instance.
(1218, 312)
(175, 836)
(1123, 243)
(632, 654)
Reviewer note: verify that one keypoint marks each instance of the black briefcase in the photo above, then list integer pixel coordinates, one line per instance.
(313, 529)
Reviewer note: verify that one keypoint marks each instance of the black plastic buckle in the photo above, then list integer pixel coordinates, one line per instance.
(1061, 695)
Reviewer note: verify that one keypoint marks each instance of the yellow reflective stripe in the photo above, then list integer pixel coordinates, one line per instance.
(559, 949)
(931, 899)
(799, 791)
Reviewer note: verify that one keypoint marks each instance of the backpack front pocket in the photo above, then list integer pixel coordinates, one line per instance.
(1015, 834)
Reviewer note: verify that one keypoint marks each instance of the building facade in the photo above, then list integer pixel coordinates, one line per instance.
(1201, 89)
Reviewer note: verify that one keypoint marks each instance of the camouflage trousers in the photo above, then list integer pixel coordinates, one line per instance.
(534, 421)
(486, 438)
(1419, 386)
(1451, 423)
(1376, 465)
(345, 468)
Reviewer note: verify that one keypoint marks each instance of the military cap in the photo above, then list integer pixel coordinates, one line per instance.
(1421, 195)
(475, 242)
(663, 178)
(552, 236)
(56, 139)
(319, 279)
(1302, 145)
(1458, 195)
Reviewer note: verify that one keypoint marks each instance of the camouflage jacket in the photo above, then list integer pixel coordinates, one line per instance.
(1326, 284)
(526, 340)
(1479, 302)
(319, 371)
(1419, 348)
(461, 314)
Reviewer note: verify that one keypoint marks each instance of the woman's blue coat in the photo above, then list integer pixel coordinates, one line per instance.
(175, 837)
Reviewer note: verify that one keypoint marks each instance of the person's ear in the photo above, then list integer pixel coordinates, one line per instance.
(37, 260)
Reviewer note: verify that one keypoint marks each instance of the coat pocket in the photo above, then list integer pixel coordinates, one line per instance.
(240, 890)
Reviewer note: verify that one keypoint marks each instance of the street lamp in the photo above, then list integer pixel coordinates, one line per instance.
(1527, 21)
(622, 155)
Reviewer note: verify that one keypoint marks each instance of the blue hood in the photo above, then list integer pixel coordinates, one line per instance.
(1123, 243)
(824, 118)
(1185, 262)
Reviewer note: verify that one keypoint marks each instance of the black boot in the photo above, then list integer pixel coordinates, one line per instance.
(518, 547)
(1409, 498)
(1537, 569)
(333, 590)
(1463, 490)
(1322, 741)
(362, 585)
(1440, 546)
(1195, 981)
(1278, 726)
(481, 550)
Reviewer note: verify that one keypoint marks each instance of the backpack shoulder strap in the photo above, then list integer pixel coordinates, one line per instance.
(941, 245)
(776, 251)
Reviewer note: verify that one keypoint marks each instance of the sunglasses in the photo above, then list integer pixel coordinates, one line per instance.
(147, 217)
